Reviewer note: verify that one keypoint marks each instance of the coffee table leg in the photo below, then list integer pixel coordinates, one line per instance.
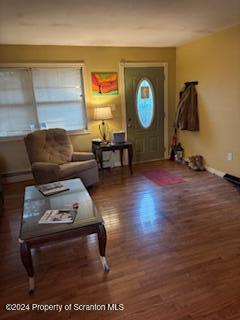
(26, 257)
(102, 240)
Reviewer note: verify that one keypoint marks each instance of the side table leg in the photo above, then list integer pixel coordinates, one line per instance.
(100, 157)
(121, 157)
(130, 156)
(102, 240)
(26, 257)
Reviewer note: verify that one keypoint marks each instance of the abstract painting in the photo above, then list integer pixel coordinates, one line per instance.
(104, 83)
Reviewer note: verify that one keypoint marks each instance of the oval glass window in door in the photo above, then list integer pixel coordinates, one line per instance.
(145, 103)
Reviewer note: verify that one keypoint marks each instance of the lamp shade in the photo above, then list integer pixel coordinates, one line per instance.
(102, 113)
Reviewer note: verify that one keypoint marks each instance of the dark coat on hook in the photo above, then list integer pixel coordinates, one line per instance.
(187, 109)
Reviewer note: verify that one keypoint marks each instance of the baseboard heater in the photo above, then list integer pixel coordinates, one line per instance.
(17, 176)
(232, 179)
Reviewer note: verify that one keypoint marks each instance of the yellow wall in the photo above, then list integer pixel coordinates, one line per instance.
(95, 59)
(215, 62)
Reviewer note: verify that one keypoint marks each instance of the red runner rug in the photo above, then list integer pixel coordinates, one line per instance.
(162, 177)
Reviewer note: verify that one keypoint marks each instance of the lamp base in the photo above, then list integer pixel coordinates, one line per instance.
(103, 129)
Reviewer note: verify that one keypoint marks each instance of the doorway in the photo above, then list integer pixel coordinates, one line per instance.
(145, 111)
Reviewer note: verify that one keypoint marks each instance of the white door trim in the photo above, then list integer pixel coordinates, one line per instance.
(124, 65)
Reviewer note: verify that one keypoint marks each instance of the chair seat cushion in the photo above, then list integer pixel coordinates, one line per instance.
(70, 169)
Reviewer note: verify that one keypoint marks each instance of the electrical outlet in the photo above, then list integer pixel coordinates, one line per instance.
(229, 156)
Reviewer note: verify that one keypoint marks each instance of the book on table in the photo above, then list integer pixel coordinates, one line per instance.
(58, 216)
(52, 188)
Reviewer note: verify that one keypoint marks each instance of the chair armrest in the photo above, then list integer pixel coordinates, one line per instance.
(45, 172)
(82, 156)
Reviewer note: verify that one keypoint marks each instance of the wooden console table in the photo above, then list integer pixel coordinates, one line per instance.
(98, 150)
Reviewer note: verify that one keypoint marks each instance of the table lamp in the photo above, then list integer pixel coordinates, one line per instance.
(103, 113)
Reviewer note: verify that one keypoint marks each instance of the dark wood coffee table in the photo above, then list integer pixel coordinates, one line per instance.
(87, 221)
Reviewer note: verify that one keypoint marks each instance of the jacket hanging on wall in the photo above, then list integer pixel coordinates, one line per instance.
(187, 109)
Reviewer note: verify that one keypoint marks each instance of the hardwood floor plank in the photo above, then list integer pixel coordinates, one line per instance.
(174, 251)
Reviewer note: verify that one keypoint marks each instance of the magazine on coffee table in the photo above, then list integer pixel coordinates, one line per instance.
(58, 216)
(52, 188)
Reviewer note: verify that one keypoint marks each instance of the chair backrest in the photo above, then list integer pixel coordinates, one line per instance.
(52, 145)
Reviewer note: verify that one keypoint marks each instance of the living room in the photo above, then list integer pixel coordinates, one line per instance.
(172, 232)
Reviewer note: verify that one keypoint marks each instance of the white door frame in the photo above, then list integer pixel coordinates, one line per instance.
(124, 65)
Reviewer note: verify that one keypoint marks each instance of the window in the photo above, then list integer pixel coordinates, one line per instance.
(39, 98)
(145, 103)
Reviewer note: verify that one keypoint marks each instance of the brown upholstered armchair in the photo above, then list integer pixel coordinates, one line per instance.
(52, 158)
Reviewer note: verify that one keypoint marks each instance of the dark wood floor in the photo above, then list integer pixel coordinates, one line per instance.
(174, 252)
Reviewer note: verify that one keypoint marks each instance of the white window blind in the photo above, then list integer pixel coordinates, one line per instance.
(41, 98)
(17, 111)
(59, 98)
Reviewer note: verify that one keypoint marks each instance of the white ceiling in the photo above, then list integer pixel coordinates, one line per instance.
(151, 23)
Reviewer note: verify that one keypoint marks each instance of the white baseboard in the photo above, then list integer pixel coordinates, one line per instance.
(211, 170)
(215, 171)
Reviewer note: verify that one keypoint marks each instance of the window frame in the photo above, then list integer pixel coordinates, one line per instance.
(153, 103)
(50, 65)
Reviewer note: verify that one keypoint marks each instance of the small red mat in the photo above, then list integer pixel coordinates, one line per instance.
(162, 177)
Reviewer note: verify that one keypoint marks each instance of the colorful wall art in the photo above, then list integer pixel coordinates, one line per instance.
(104, 83)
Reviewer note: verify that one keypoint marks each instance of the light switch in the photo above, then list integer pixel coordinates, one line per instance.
(229, 156)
